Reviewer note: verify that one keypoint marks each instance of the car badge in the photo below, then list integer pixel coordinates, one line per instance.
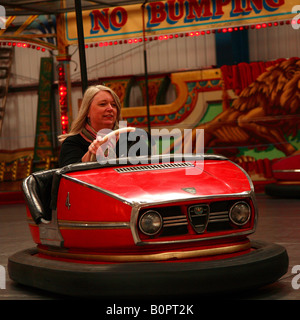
(199, 215)
(68, 204)
(190, 190)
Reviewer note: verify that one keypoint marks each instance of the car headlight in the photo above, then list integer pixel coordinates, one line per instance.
(240, 213)
(150, 223)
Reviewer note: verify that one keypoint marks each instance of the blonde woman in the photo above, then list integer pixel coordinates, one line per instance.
(100, 109)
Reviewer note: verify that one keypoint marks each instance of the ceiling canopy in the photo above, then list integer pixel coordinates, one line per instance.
(30, 7)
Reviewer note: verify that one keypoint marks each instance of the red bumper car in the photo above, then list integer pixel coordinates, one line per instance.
(162, 227)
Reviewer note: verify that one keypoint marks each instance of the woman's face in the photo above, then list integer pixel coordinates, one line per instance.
(103, 111)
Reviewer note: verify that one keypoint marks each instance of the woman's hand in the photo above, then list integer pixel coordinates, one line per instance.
(94, 146)
(92, 150)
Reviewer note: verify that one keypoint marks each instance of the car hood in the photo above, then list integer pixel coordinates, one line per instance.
(159, 183)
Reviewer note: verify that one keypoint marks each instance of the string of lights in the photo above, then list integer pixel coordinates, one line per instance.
(24, 44)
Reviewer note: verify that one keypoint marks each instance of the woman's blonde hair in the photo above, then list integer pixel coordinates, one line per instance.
(79, 123)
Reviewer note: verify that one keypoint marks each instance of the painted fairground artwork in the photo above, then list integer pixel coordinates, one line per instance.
(249, 112)
(260, 126)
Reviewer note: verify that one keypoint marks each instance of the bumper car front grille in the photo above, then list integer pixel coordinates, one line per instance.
(154, 167)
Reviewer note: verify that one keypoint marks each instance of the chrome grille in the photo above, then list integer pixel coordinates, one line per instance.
(213, 217)
(202, 217)
(154, 167)
(218, 216)
(175, 221)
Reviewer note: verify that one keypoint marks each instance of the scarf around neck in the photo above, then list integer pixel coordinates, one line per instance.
(88, 133)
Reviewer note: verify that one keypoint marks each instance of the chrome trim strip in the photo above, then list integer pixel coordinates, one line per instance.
(287, 170)
(243, 194)
(140, 243)
(217, 213)
(175, 217)
(92, 225)
(224, 219)
(162, 256)
(184, 223)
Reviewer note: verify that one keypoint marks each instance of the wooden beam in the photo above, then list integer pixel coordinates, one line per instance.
(7, 24)
(25, 24)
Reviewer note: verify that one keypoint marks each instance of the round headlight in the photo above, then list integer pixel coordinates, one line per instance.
(240, 213)
(150, 223)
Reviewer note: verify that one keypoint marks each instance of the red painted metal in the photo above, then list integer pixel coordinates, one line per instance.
(287, 169)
